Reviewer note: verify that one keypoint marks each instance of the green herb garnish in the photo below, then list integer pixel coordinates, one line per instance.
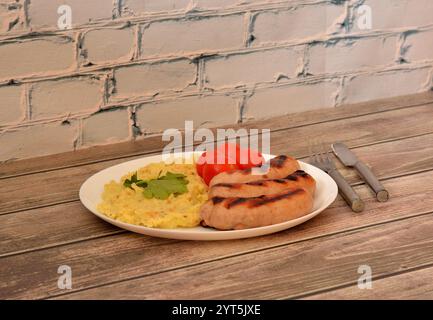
(129, 182)
(162, 187)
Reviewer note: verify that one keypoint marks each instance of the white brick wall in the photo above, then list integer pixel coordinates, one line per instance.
(150, 79)
(139, 7)
(43, 13)
(396, 14)
(253, 67)
(189, 36)
(420, 46)
(36, 57)
(295, 24)
(131, 68)
(101, 46)
(296, 98)
(105, 127)
(64, 97)
(366, 87)
(13, 107)
(211, 111)
(351, 54)
(47, 138)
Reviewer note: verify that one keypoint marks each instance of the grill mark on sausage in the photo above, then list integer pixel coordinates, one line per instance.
(258, 201)
(228, 185)
(261, 201)
(216, 200)
(294, 176)
(278, 162)
(256, 183)
(236, 201)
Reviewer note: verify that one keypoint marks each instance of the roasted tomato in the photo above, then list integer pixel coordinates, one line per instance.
(250, 158)
(209, 164)
(211, 170)
(200, 164)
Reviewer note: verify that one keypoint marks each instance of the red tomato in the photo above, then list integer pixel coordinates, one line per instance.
(211, 170)
(200, 164)
(209, 164)
(253, 158)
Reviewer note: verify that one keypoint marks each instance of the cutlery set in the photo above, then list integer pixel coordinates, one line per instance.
(322, 160)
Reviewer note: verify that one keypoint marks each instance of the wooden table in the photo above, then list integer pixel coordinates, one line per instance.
(43, 224)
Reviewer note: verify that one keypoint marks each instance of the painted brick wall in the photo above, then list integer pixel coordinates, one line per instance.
(128, 69)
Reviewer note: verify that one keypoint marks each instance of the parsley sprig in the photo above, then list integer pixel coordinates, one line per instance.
(160, 188)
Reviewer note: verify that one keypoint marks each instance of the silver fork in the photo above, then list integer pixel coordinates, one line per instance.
(320, 158)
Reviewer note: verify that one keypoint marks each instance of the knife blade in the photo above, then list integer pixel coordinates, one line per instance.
(349, 159)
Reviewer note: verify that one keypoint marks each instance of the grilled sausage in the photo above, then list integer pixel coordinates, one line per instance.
(244, 213)
(279, 168)
(298, 179)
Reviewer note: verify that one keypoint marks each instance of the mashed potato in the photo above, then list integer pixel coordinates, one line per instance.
(130, 206)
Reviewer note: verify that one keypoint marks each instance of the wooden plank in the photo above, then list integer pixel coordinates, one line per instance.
(49, 188)
(50, 226)
(154, 144)
(393, 158)
(66, 223)
(120, 257)
(342, 112)
(412, 285)
(287, 271)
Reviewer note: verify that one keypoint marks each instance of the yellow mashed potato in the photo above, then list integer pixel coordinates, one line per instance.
(130, 206)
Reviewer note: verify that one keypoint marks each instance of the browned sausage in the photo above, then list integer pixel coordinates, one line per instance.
(244, 213)
(298, 179)
(279, 167)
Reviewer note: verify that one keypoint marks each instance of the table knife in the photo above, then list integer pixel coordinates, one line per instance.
(349, 159)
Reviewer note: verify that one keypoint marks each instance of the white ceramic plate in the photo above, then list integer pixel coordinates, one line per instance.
(91, 191)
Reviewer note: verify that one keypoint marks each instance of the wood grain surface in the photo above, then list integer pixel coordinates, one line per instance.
(69, 222)
(153, 144)
(48, 188)
(120, 257)
(43, 225)
(412, 285)
(288, 271)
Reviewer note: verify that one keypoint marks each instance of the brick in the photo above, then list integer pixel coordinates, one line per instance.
(248, 68)
(420, 46)
(222, 4)
(106, 127)
(149, 79)
(138, 7)
(192, 36)
(63, 97)
(302, 22)
(367, 87)
(37, 140)
(215, 4)
(43, 13)
(352, 54)
(12, 108)
(36, 57)
(391, 14)
(9, 15)
(105, 45)
(271, 102)
(211, 111)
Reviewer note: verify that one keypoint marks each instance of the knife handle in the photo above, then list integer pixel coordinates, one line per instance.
(382, 194)
(346, 191)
